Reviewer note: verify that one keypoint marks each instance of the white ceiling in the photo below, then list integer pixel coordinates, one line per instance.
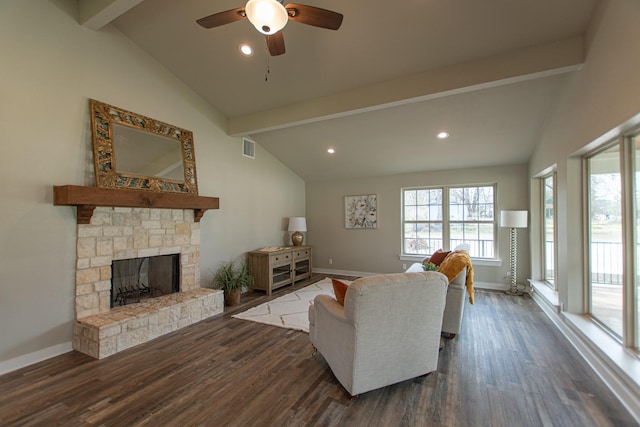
(379, 88)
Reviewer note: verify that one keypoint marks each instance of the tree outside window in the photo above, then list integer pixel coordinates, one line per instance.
(444, 217)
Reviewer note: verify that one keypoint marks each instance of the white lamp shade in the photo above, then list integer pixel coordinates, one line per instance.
(513, 219)
(297, 223)
(268, 16)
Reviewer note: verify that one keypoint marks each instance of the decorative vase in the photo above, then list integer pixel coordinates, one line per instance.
(296, 238)
(232, 297)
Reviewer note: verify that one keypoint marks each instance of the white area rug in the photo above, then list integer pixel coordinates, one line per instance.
(289, 311)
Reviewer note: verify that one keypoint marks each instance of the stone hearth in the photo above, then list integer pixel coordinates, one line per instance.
(123, 233)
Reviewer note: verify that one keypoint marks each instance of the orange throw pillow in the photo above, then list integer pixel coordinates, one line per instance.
(438, 256)
(340, 289)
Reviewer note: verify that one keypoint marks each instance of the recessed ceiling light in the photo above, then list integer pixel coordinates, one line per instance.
(246, 49)
(331, 151)
(443, 135)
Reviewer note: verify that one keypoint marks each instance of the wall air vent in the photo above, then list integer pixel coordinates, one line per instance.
(248, 148)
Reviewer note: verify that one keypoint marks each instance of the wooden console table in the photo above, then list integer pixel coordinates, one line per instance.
(275, 267)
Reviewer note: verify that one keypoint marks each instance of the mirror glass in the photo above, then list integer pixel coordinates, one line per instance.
(142, 153)
(137, 152)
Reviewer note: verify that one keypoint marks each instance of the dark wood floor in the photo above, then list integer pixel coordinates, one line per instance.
(508, 367)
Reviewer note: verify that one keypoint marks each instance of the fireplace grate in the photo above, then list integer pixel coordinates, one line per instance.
(136, 293)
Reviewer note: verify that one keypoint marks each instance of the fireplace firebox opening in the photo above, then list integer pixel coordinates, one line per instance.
(137, 279)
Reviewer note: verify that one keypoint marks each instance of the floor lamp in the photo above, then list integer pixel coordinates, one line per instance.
(513, 220)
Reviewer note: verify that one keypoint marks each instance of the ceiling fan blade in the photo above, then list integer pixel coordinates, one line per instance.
(275, 43)
(315, 16)
(222, 18)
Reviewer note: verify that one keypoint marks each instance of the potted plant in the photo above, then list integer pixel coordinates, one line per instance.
(429, 266)
(232, 279)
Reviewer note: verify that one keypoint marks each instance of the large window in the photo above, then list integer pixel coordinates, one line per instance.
(548, 229)
(608, 252)
(444, 217)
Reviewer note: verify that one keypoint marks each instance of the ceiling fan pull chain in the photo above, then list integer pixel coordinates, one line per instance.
(267, 70)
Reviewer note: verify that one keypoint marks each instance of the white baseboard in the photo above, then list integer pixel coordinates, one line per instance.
(35, 357)
(491, 286)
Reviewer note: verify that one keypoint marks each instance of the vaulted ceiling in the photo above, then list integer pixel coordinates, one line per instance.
(380, 88)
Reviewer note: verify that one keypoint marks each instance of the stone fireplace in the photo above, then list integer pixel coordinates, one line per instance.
(115, 233)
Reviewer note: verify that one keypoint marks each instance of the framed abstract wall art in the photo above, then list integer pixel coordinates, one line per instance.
(361, 211)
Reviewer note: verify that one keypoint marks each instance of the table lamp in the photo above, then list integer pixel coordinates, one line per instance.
(297, 224)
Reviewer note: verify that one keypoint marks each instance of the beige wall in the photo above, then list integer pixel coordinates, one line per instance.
(377, 251)
(51, 66)
(601, 98)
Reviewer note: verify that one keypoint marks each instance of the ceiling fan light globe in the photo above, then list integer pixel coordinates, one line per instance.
(268, 16)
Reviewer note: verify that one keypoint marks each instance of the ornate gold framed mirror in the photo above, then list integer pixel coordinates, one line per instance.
(131, 151)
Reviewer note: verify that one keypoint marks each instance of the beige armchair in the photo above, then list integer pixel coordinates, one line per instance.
(388, 330)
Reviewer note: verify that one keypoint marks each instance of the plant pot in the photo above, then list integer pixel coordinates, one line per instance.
(232, 297)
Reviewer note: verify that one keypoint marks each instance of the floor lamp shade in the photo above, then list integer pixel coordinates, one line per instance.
(513, 220)
(297, 224)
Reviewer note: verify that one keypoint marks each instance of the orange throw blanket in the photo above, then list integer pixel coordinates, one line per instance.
(453, 264)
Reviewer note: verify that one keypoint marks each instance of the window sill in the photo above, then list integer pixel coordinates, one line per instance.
(618, 367)
(487, 262)
(548, 294)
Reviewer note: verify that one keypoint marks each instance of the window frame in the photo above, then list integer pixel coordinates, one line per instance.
(630, 337)
(446, 218)
(543, 229)
(621, 144)
(404, 222)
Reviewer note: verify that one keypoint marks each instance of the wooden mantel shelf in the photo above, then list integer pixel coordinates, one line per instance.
(87, 198)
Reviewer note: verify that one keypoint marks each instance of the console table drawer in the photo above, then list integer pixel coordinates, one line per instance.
(301, 253)
(280, 259)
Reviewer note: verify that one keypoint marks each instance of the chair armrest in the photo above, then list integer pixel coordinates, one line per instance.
(454, 309)
(333, 335)
(330, 306)
(458, 286)
(330, 328)
(460, 279)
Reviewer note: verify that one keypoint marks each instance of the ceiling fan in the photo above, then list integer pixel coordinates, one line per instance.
(270, 16)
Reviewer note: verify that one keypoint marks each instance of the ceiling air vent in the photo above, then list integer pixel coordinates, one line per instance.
(248, 148)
